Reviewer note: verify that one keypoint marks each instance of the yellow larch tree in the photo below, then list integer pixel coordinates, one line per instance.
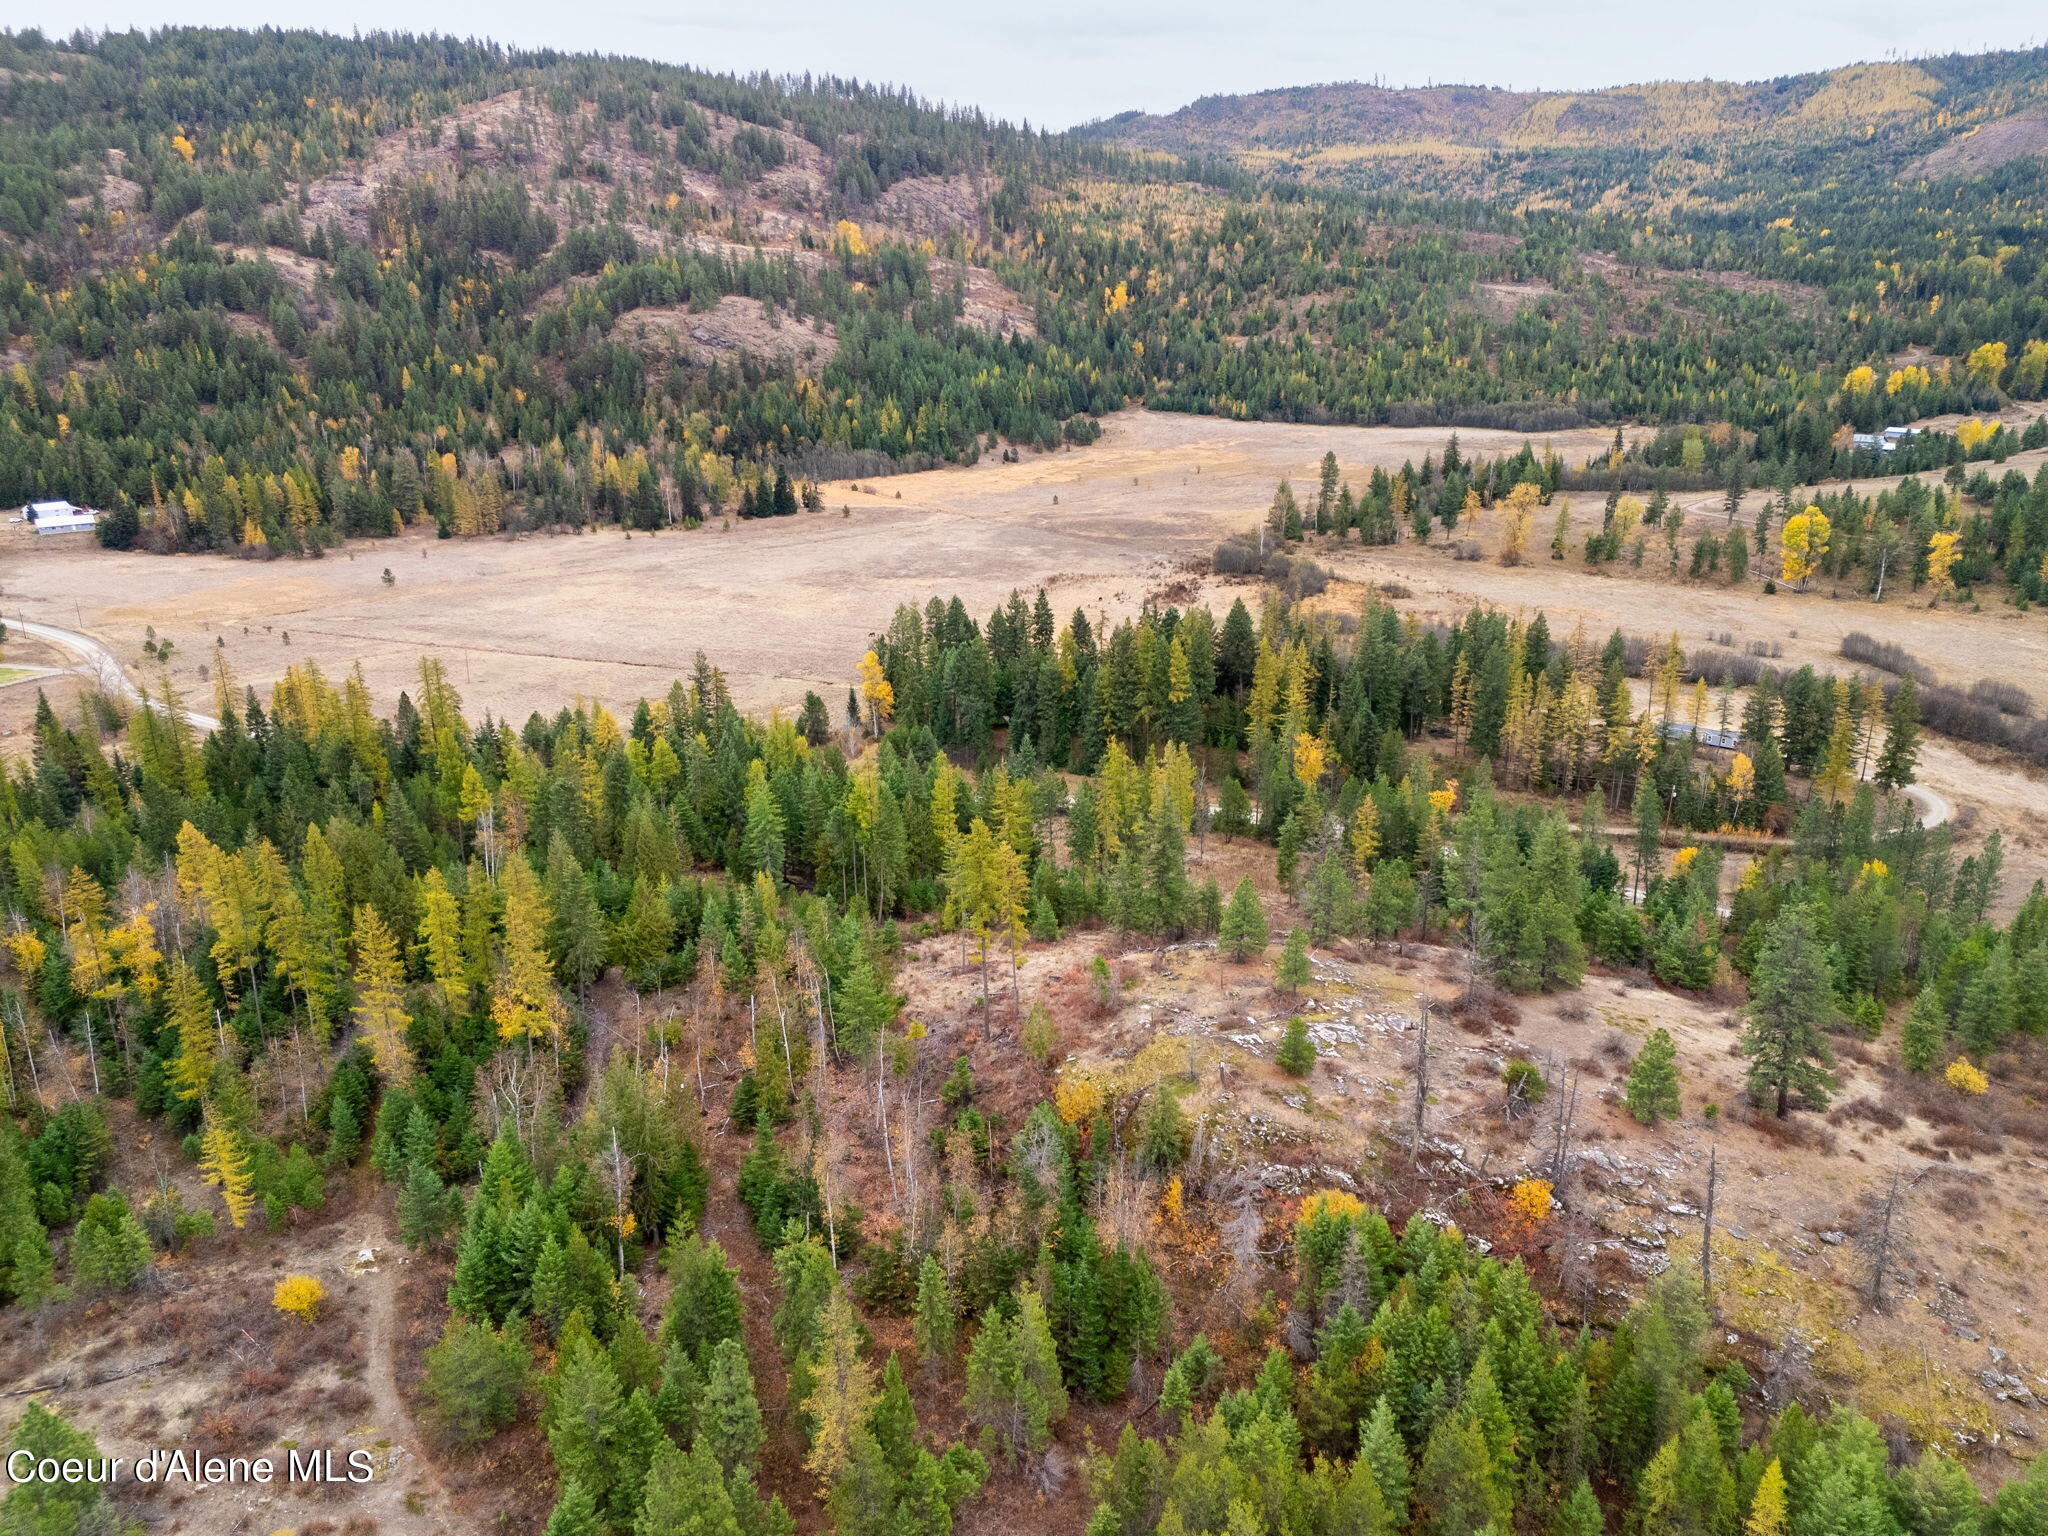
(524, 1003)
(224, 1163)
(1944, 548)
(441, 935)
(191, 1019)
(380, 997)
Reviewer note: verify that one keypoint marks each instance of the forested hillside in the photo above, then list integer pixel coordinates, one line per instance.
(261, 291)
(324, 957)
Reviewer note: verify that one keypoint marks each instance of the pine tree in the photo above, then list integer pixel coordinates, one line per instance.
(575, 1513)
(426, 1207)
(109, 1249)
(191, 1017)
(441, 935)
(26, 1264)
(524, 1004)
(1923, 1039)
(1653, 1080)
(1990, 1005)
(1292, 972)
(1767, 1512)
(1243, 933)
(1792, 1001)
(935, 1328)
(728, 1413)
(686, 1495)
(585, 1420)
(704, 1305)
(1579, 1514)
(1897, 762)
(475, 1379)
(1297, 1054)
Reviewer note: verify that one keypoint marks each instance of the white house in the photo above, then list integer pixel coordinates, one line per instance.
(60, 517)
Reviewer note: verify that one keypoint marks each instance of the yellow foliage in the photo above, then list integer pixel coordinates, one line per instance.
(1330, 1202)
(1965, 1078)
(1805, 543)
(850, 238)
(1987, 363)
(876, 688)
(1077, 1099)
(1530, 1201)
(1860, 381)
(1943, 550)
(1681, 861)
(1309, 760)
(299, 1296)
(1975, 433)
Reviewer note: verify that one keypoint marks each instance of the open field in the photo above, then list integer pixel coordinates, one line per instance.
(782, 606)
(786, 605)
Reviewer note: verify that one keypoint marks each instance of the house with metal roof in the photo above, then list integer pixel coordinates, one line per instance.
(59, 517)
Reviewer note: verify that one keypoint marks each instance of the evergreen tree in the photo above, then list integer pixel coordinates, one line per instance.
(109, 1249)
(1292, 972)
(1792, 1001)
(1652, 1093)
(1297, 1054)
(575, 1513)
(1243, 933)
(1897, 761)
(1923, 1039)
(728, 1415)
(475, 1380)
(935, 1318)
(26, 1264)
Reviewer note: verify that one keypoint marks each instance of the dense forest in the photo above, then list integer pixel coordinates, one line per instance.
(262, 291)
(317, 941)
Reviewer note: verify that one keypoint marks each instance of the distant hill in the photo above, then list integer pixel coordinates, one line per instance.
(1956, 116)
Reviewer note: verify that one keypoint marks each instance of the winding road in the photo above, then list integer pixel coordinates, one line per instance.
(102, 667)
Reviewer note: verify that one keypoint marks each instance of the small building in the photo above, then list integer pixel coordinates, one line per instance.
(1709, 735)
(60, 517)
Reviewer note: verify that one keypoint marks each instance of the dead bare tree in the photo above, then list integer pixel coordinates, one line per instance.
(1421, 1081)
(1707, 1230)
(1883, 1238)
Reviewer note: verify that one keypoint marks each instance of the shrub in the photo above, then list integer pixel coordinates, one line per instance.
(299, 1296)
(1885, 656)
(1965, 1078)
(2006, 698)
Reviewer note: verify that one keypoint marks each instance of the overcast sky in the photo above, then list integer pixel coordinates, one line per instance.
(1059, 62)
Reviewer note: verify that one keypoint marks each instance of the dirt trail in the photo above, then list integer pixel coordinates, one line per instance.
(407, 1496)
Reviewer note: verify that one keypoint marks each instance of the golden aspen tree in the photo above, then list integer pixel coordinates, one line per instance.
(877, 692)
(1804, 543)
(224, 1163)
(380, 997)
